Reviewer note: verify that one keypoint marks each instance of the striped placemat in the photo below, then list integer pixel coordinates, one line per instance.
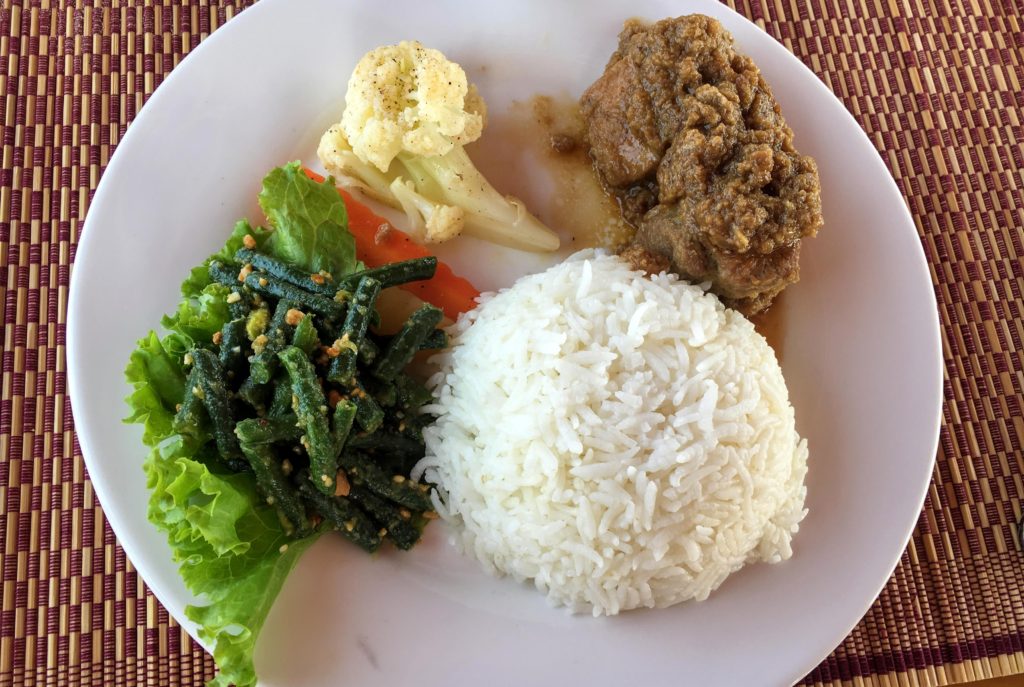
(937, 86)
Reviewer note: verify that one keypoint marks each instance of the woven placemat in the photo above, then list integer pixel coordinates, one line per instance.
(938, 89)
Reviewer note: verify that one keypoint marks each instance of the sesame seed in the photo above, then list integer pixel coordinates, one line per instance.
(234, 297)
(284, 547)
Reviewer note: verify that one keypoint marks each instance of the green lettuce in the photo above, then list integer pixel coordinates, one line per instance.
(231, 549)
(199, 277)
(306, 216)
(157, 377)
(201, 317)
(230, 546)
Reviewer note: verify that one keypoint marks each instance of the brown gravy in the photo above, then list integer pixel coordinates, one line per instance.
(555, 128)
(550, 130)
(771, 324)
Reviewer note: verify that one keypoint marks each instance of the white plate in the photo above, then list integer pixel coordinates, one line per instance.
(862, 357)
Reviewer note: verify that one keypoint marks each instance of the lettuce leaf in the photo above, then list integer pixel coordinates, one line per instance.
(231, 549)
(201, 317)
(199, 277)
(157, 377)
(230, 545)
(306, 216)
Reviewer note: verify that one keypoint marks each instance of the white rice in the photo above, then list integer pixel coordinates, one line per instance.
(621, 441)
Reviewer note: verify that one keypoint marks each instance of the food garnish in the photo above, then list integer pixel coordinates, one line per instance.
(408, 113)
(380, 243)
(275, 412)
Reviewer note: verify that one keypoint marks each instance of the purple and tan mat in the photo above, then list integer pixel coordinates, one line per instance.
(939, 88)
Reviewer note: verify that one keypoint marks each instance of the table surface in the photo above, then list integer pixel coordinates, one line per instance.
(937, 86)
(1009, 681)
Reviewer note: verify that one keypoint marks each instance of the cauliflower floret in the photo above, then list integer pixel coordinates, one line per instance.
(408, 97)
(430, 221)
(339, 159)
(440, 222)
(409, 112)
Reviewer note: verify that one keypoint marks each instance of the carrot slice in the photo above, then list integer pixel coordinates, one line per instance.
(378, 242)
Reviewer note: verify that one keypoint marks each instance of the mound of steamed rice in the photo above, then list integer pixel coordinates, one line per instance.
(621, 441)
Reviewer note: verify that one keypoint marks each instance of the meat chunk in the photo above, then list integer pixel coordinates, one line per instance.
(624, 138)
(685, 131)
(641, 259)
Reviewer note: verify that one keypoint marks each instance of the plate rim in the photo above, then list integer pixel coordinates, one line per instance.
(106, 194)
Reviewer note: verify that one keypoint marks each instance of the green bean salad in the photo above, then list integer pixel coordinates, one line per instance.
(275, 410)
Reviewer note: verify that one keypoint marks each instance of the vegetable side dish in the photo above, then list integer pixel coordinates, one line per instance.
(686, 132)
(408, 113)
(274, 409)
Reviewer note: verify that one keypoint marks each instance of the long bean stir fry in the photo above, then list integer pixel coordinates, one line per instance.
(298, 389)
